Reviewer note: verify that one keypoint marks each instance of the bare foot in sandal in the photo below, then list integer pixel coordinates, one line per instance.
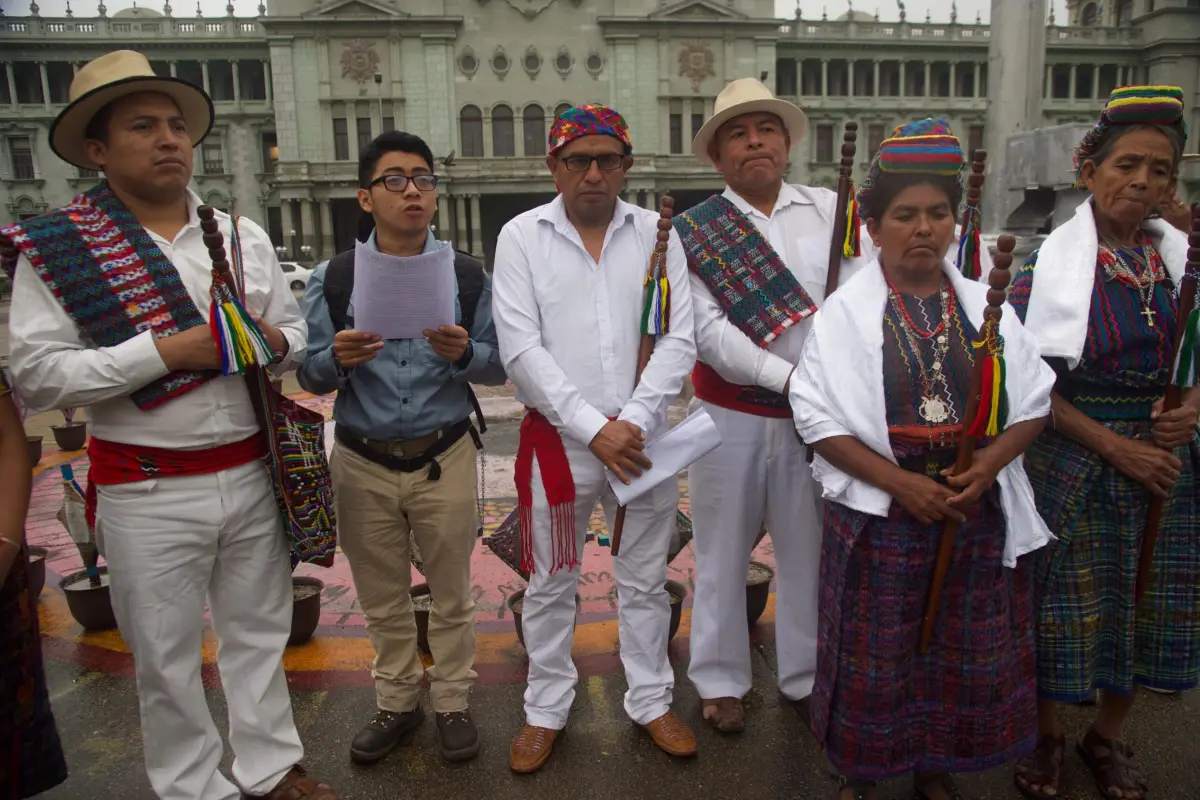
(1037, 776)
(1111, 764)
(726, 714)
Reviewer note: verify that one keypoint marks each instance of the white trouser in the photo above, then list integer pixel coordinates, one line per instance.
(758, 474)
(640, 572)
(169, 543)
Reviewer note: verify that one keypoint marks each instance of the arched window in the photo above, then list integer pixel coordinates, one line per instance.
(1089, 17)
(535, 131)
(470, 130)
(503, 135)
(561, 109)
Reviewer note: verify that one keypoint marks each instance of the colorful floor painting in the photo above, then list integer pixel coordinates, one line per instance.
(340, 645)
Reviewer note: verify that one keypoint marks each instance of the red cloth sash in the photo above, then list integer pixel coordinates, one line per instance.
(540, 438)
(712, 388)
(114, 463)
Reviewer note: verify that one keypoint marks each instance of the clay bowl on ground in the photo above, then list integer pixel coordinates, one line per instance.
(34, 445)
(306, 608)
(678, 593)
(91, 606)
(70, 438)
(758, 589)
(37, 569)
(422, 602)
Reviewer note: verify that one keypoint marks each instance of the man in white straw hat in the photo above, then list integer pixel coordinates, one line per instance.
(111, 304)
(770, 239)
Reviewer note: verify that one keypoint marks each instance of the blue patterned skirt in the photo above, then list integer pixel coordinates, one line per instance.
(1090, 634)
(879, 708)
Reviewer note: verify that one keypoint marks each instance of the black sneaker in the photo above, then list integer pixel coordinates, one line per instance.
(383, 733)
(458, 737)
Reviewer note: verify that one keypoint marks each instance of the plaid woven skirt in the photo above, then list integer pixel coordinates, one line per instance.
(879, 708)
(1090, 635)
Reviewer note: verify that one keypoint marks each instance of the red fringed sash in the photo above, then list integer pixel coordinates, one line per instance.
(115, 463)
(540, 438)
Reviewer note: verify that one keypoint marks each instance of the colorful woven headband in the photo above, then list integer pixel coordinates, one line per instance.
(1133, 105)
(589, 120)
(924, 147)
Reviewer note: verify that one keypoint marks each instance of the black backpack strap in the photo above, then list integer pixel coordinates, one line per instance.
(339, 285)
(468, 271)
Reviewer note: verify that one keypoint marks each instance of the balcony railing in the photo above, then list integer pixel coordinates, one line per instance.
(103, 28)
(936, 33)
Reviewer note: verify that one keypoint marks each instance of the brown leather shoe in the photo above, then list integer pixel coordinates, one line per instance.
(726, 714)
(531, 748)
(671, 735)
(296, 785)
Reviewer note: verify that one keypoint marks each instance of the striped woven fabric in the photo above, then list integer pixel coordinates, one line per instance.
(1145, 105)
(924, 147)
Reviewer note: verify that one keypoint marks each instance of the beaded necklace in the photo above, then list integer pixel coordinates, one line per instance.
(934, 408)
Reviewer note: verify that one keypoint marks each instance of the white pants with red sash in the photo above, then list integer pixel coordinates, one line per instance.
(758, 474)
(640, 571)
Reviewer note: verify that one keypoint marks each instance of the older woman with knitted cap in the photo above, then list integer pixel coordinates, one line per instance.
(1101, 299)
(567, 307)
(880, 393)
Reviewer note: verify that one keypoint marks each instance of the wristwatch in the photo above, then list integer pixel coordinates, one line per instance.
(467, 355)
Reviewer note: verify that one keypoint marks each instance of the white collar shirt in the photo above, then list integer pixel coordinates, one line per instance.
(54, 367)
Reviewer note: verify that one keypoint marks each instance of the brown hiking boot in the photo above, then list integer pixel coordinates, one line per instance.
(726, 714)
(529, 751)
(672, 735)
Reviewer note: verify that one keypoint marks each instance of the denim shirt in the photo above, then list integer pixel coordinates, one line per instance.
(407, 390)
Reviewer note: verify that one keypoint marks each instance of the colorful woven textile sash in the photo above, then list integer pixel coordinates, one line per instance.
(110, 278)
(744, 273)
(540, 438)
(710, 387)
(114, 463)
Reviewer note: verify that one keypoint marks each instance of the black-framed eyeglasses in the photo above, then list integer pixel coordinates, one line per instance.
(398, 183)
(606, 161)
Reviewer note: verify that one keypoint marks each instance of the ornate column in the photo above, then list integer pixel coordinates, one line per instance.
(45, 84)
(1048, 92)
(953, 79)
(289, 226)
(237, 89)
(307, 229)
(875, 85)
(1071, 88)
(12, 84)
(976, 73)
(1095, 81)
(850, 89)
(476, 228)
(328, 245)
(652, 200)
(824, 77)
(460, 222)
(799, 77)
(267, 78)
(204, 72)
(174, 66)
(928, 76)
(903, 78)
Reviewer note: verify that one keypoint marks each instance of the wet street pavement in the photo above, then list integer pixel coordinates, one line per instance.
(602, 755)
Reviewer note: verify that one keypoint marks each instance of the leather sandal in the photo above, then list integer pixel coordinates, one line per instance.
(861, 789)
(1113, 770)
(296, 785)
(1042, 768)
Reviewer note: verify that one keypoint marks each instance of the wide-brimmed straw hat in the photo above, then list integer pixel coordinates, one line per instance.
(110, 77)
(748, 96)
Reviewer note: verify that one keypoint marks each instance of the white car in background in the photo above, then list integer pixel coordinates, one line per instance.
(297, 275)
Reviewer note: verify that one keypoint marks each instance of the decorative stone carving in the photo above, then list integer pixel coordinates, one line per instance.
(468, 62)
(532, 61)
(696, 61)
(500, 63)
(594, 64)
(360, 62)
(563, 62)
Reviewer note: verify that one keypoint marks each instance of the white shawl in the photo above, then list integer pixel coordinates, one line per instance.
(1066, 274)
(837, 390)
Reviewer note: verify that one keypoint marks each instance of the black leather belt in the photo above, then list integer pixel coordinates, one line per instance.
(379, 452)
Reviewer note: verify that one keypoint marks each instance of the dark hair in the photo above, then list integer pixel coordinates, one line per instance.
(876, 201)
(1113, 133)
(390, 142)
(97, 127)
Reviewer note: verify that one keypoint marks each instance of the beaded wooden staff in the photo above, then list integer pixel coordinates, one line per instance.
(844, 243)
(656, 319)
(1184, 357)
(969, 259)
(984, 417)
(241, 343)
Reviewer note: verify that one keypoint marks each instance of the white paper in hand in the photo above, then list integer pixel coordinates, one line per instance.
(670, 453)
(399, 297)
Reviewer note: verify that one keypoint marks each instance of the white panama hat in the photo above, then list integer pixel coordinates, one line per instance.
(748, 96)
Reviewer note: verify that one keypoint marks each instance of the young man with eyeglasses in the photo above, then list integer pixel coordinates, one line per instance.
(569, 278)
(404, 459)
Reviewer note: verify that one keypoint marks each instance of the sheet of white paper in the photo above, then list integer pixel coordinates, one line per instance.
(670, 453)
(397, 298)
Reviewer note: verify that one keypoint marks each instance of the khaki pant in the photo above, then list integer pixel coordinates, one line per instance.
(376, 508)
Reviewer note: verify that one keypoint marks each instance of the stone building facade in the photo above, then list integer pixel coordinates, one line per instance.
(300, 87)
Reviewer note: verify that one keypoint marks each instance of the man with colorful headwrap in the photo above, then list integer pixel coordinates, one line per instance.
(758, 255)
(880, 393)
(568, 299)
(1101, 298)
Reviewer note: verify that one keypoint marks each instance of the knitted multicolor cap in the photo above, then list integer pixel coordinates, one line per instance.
(589, 120)
(923, 147)
(1133, 105)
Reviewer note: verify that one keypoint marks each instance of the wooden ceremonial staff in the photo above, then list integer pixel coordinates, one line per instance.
(998, 280)
(658, 261)
(974, 192)
(845, 179)
(1172, 399)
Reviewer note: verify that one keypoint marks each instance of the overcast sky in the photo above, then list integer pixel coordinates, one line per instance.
(888, 9)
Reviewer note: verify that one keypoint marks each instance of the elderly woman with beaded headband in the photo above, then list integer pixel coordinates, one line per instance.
(881, 393)
(1101, 298)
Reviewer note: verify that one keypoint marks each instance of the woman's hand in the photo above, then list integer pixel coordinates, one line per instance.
(976, 480)
(1173, 428)
(926, 499)
(1148, 464)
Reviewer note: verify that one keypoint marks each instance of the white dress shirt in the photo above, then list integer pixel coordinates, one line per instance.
(799, 229)
(53, 366)
(570, 327)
